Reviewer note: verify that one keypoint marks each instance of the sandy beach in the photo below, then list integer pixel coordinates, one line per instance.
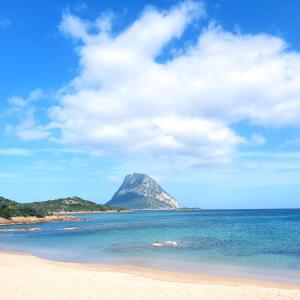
(28, 277)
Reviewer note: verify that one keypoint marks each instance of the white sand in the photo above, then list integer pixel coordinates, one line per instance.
(28, 277)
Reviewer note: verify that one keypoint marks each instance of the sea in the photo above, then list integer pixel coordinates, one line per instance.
(254, 244)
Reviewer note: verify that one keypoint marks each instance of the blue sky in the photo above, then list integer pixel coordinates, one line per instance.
(202, 96)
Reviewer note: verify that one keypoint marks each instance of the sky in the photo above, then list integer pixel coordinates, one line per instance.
(203, 96)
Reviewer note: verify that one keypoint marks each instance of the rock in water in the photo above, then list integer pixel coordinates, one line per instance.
(139, 191)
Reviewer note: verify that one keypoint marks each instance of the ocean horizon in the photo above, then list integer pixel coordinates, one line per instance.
(250, 243)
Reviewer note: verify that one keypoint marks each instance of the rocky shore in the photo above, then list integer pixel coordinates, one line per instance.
(35, 220)
(89, 212)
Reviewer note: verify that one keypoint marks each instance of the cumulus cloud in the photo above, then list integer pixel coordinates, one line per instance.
(123, 101)
(184, 105)
(24, 109)
(17, 102)
(28, 130)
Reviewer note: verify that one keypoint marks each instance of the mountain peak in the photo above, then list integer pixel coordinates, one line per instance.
(140, 191)
(135, 177)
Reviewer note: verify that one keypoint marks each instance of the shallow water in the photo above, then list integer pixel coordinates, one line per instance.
(249, 243)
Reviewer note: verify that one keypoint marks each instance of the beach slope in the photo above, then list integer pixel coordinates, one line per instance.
(28, 277)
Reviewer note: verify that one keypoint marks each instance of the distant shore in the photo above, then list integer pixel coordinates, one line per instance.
(88, 212)
(43, 279)
(59, 216)
(36, 220)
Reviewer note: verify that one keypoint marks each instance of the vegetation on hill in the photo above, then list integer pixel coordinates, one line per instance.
(9, 208)
(71, 204)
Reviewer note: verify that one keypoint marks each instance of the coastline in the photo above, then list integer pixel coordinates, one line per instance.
(59, 216)
(87, 212)
(36, 220)
(88, 281)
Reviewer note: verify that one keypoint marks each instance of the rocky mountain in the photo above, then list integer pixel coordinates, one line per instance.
(139, 191)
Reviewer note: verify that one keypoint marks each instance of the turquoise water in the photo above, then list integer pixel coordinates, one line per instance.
(250, 243)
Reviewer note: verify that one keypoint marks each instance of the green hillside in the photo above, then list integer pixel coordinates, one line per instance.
(70, 204)
(9, 208)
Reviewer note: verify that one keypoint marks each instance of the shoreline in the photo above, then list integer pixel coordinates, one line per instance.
(83, 212)
(59, 216)
(179, 277)
(159, 274)
(48, 280)
(36, 220)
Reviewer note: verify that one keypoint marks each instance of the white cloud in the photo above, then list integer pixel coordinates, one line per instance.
(35, 95)
(28, 130)
(23, 108)
(126, 101)
(17, 102)
(14, 152)
(257, 139)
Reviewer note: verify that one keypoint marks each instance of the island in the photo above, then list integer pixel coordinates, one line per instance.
(140, 191)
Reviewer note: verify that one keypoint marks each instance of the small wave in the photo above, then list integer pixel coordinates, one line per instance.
(166, 244)
(71, 228)
(20, 229)
(172, 243)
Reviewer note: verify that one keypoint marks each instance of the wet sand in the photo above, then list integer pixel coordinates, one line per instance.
(28, 277)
